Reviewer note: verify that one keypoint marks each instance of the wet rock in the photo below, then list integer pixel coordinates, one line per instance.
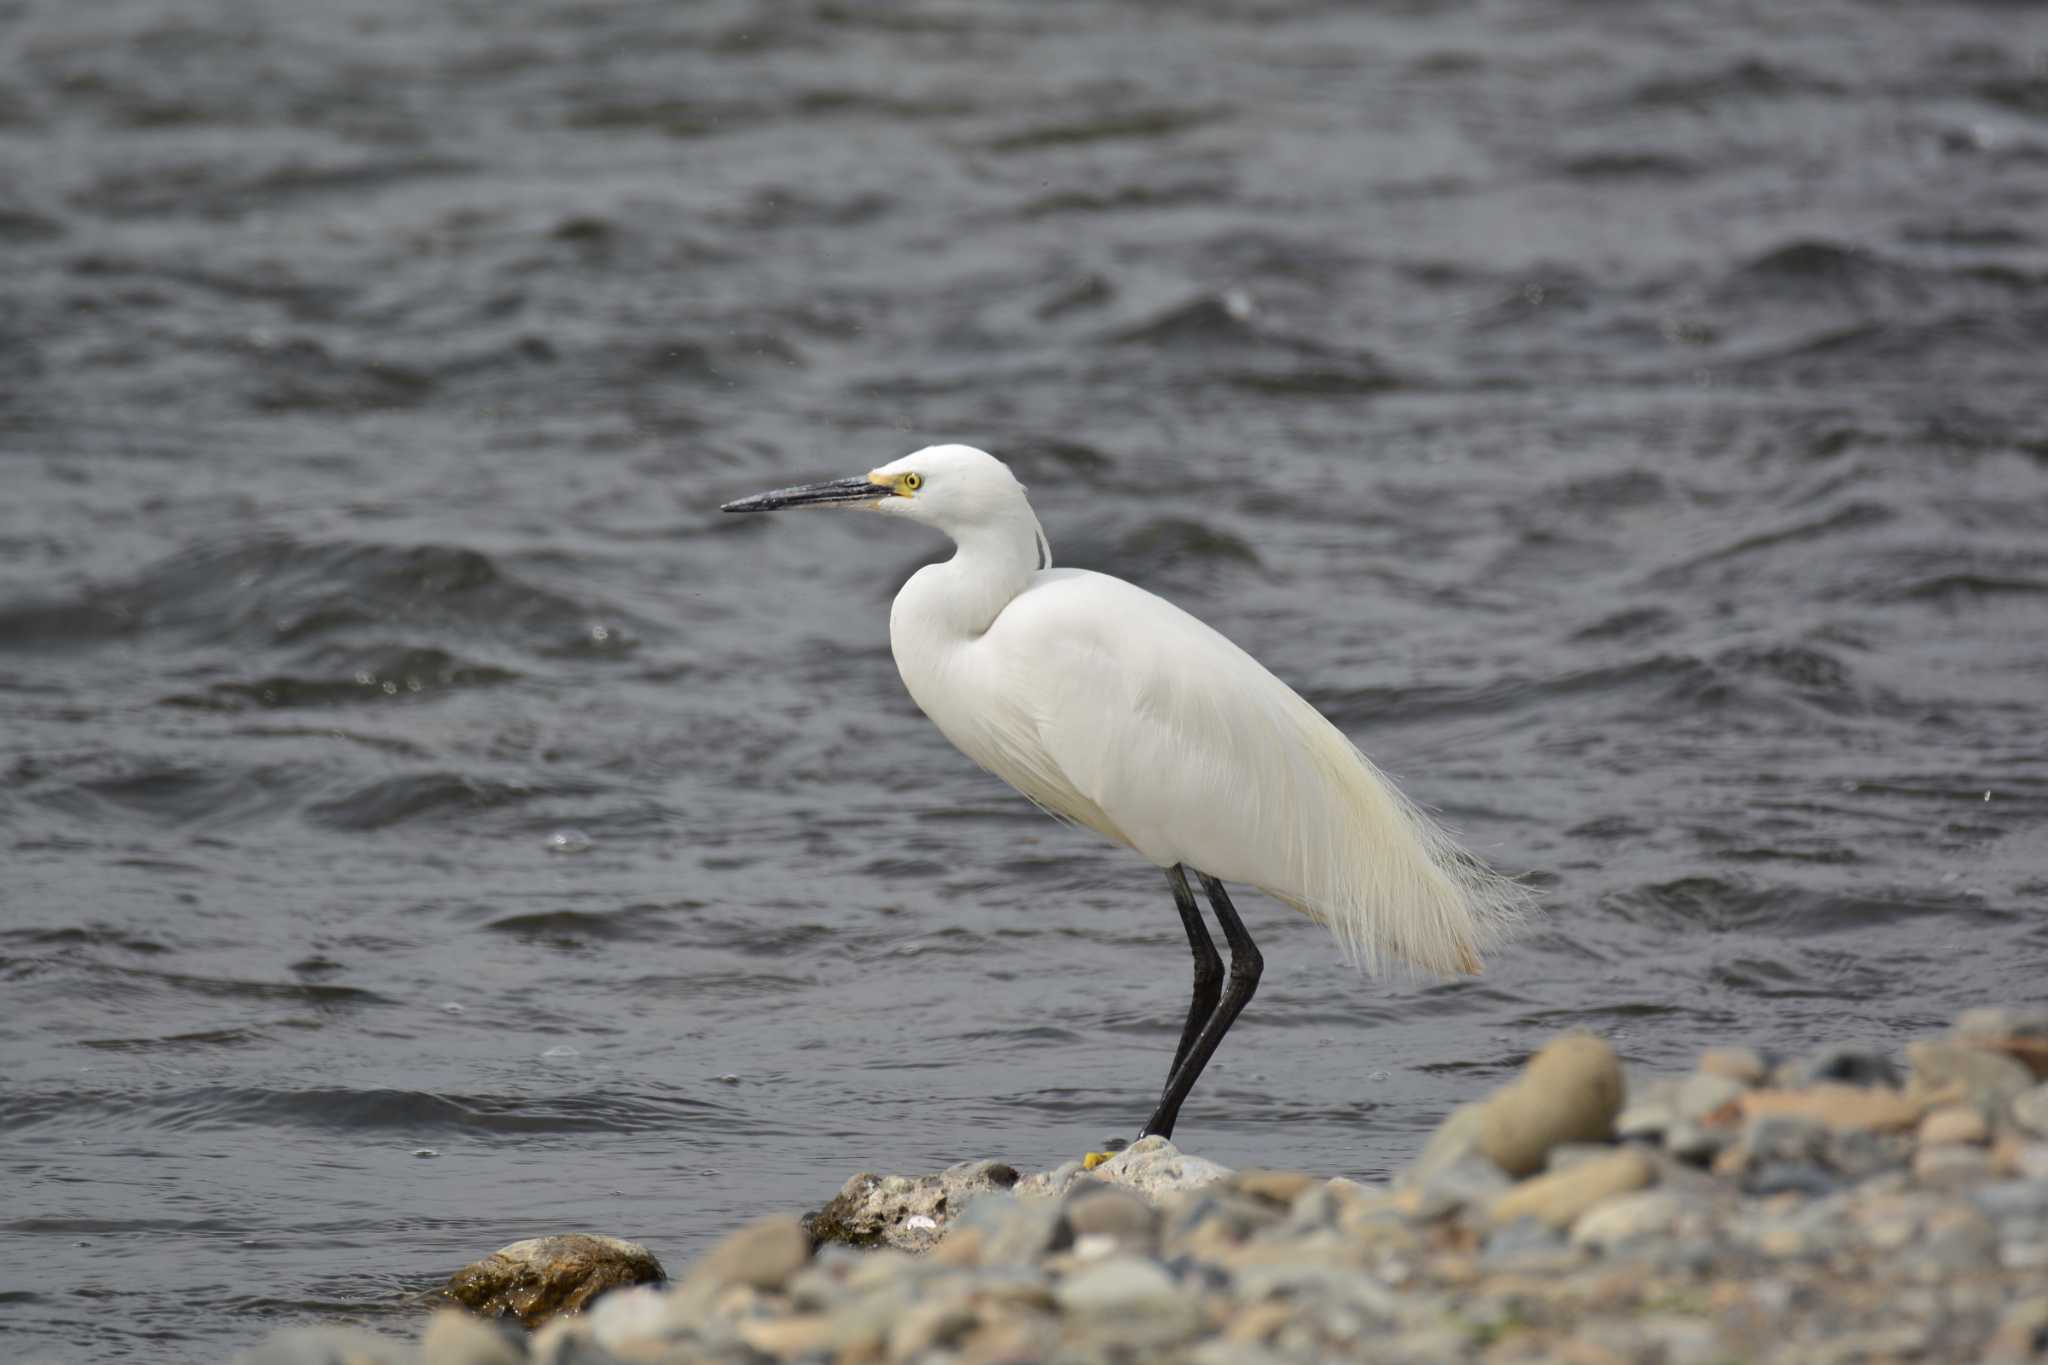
(453, 1337)
(1559, 1199)
(1569, 1092)
(541, 1277)
(908, 1212)
(1841, 1064)
(1953, 1123)
(1154, 1168)
(1949, 1071)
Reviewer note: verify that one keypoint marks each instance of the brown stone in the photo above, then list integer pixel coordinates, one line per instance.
(543, 1277)
(1276, 1187)
(801, 1335)
(1839, 1106)
(1743, 1064)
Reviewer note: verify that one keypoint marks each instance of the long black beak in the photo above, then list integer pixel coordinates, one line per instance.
(830, 493)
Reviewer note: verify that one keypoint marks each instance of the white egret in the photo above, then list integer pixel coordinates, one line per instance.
(1112, 708)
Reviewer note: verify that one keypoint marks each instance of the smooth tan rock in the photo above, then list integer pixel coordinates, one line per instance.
(1108, 1211)
(1278, 1187)
(1560, 1198)
(1839, 1106)
(1953, 1123)
(1744, 1065)
(801, 1335)
(1569, 1092)
(543, 1277)
(762, 1255)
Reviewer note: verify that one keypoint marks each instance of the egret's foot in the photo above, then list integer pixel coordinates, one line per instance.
(1090, 1160)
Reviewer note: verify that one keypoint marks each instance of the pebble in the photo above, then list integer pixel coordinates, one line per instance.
(1953, 1123)
(1846, 1065)
(1744, 1065)
(762, 1255)
(1559, 1199)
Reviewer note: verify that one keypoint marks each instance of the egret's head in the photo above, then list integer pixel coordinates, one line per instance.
(950, 487)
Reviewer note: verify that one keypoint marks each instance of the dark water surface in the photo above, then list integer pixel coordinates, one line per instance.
(1630, 422)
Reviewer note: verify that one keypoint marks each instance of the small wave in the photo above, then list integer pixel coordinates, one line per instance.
(1117, 126)
(426, 796)
(394, 674)
(275, 589)
(408, 1112)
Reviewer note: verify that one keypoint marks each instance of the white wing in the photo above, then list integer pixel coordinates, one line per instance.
(1113, 708)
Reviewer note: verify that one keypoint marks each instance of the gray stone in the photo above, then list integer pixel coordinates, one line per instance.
(1108, 1211)
(1132, 1293)
(541, 1277)
(1860, 1153)
(1238, 1215)
(1471, 1183)
(2029, 1110)
(1701, 1093)
(1015, 1231)
(1698, 1143)
(1999, 1021)
(1844, 1064)
(1508, 1245)
(762, 1255)
(1651, 1109)
(453, 1337)
(1989, 1080)
(328, 1346)
(1769, 1138)
(1456, 1138)
(1791, 1177)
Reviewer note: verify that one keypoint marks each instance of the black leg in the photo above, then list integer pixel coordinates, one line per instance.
(1245, 966)
(1208, 967)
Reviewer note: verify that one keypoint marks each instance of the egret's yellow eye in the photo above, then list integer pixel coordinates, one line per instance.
(912, 482)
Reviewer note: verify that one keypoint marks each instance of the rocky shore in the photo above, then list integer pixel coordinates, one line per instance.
(1843, 1206)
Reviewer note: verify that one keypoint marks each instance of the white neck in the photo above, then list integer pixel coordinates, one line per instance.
(963, 596)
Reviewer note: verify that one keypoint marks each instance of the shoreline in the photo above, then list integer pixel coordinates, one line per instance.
(1842, 1206)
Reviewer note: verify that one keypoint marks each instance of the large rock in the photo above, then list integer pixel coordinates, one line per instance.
(1569, 1092)
(543, 1277)
(908, 1212)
